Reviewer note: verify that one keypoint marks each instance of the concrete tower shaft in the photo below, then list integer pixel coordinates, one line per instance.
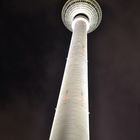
(71, 120)
(71, 117)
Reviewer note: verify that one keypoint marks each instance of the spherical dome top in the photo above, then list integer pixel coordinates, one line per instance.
(88, 8)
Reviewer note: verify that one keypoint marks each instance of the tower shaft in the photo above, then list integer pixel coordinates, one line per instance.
(71, 121)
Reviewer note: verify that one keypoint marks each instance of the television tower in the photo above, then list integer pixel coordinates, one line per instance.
(71, 120)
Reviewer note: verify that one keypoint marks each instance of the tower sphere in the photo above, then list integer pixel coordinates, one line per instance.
(88, 8)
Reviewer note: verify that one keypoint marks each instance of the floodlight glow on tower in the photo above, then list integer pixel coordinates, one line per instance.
(71, 120)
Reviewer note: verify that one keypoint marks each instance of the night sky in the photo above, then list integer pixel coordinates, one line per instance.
(33, 48)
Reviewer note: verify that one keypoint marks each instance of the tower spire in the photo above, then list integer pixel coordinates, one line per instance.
(71, 121)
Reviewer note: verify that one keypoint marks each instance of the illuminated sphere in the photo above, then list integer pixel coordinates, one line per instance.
(88, 8)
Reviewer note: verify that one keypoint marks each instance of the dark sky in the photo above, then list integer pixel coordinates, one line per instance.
(33, 50)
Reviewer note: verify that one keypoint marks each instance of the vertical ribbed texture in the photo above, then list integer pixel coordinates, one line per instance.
(71, 121)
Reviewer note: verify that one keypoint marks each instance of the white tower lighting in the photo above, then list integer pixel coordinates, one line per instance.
(71, 121)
